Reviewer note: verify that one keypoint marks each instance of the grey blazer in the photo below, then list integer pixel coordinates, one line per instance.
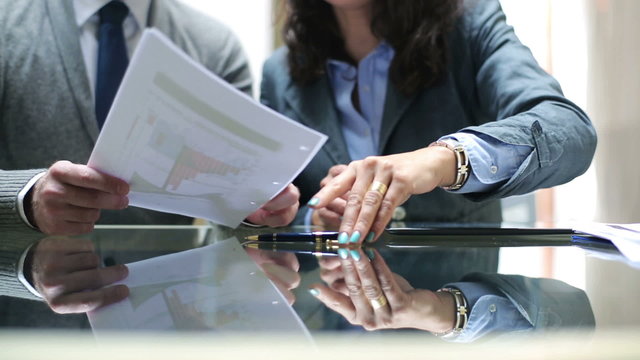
(493, 86)
(46, 106)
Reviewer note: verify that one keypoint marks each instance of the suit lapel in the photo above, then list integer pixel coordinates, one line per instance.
(315, 108)
(65, 33)
(395, 107)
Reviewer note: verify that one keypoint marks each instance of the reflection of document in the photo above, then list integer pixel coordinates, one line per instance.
(190, 143)
(217, 287)
(626, 237)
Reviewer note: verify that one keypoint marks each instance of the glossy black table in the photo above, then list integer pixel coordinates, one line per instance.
(425, 260)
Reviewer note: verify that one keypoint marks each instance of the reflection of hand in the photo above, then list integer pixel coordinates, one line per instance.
(378, 299)
(184, 316)
(280, 267)
(279, 211)
(68, 198)
(65, 272)
(375, 186)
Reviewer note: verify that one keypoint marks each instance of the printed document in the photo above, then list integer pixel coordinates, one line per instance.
(189, 143)
(216, 287)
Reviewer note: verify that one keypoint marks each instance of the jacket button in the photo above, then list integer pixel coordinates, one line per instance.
(399, 213)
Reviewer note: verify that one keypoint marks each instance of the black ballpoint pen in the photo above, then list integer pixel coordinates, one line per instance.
(316, 236)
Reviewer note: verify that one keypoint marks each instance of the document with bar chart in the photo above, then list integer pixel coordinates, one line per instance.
(189, 143)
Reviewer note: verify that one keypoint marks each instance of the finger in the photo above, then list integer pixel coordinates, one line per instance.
(86, 177)
(371, 287)
(289, 296)
(395, 196)
(284, 200)
(364, 312)
(83, 198)
(64, 245)
(329, 263)
(288, 278)
(80, 261)
(66, 228)
(89, 300)
(355, 202)
(338, 186)
(331, 276)
(333, 172)
(337, 206)
(274, 219)
(396, 297)
(94, 278)
(335, 301)
(328, 218)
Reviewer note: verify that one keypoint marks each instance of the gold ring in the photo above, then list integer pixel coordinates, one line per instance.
(379, 187)
(379, 302)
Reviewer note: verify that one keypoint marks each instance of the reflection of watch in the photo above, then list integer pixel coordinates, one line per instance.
(462, 161)
(462, 311)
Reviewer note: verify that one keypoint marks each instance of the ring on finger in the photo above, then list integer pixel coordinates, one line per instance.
(381, 301)
(378, 187)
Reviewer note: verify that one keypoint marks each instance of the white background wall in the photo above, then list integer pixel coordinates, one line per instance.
(251, 22)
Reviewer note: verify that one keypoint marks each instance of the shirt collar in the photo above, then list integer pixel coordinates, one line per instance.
(85, 9)
(382, 51)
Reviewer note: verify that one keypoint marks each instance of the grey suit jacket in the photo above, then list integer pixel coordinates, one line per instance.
(493, 86)
(46, 106)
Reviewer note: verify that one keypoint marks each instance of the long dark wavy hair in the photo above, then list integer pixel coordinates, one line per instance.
(416, 29)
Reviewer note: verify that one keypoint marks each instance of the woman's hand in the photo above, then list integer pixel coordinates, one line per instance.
(367, 293)
(375, 186)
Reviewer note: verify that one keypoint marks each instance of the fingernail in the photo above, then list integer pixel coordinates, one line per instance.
(355, 237)
(355, 255)
(343, 253)
(370, 237)
(314, 292)
(370, 254)
(343, 238)
(313, 202)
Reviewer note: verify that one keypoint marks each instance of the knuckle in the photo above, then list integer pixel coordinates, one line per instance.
(371, 292)
(369, 324)
(371, 162)
(354, 199)
(354, 289)
(386, 206)
(371, 198)
(57, 306)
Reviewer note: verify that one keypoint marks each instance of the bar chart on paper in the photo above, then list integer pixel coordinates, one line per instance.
(189, 143)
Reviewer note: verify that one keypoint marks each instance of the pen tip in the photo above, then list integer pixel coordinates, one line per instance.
(252, 237)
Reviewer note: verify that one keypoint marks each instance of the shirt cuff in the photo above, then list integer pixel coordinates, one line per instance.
(492, 161)
(21, 276)
(490, 312)
(23, 193)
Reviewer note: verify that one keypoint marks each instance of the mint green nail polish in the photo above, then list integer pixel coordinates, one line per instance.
(370, 254)
(355, 255)
(314, 292)
(370, 237)
(313, 202)
(343, 253)
(355, 237)
(343, 238)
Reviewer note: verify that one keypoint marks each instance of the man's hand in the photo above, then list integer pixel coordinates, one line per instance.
(279, 211)
(68, 198)
(66, 272)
